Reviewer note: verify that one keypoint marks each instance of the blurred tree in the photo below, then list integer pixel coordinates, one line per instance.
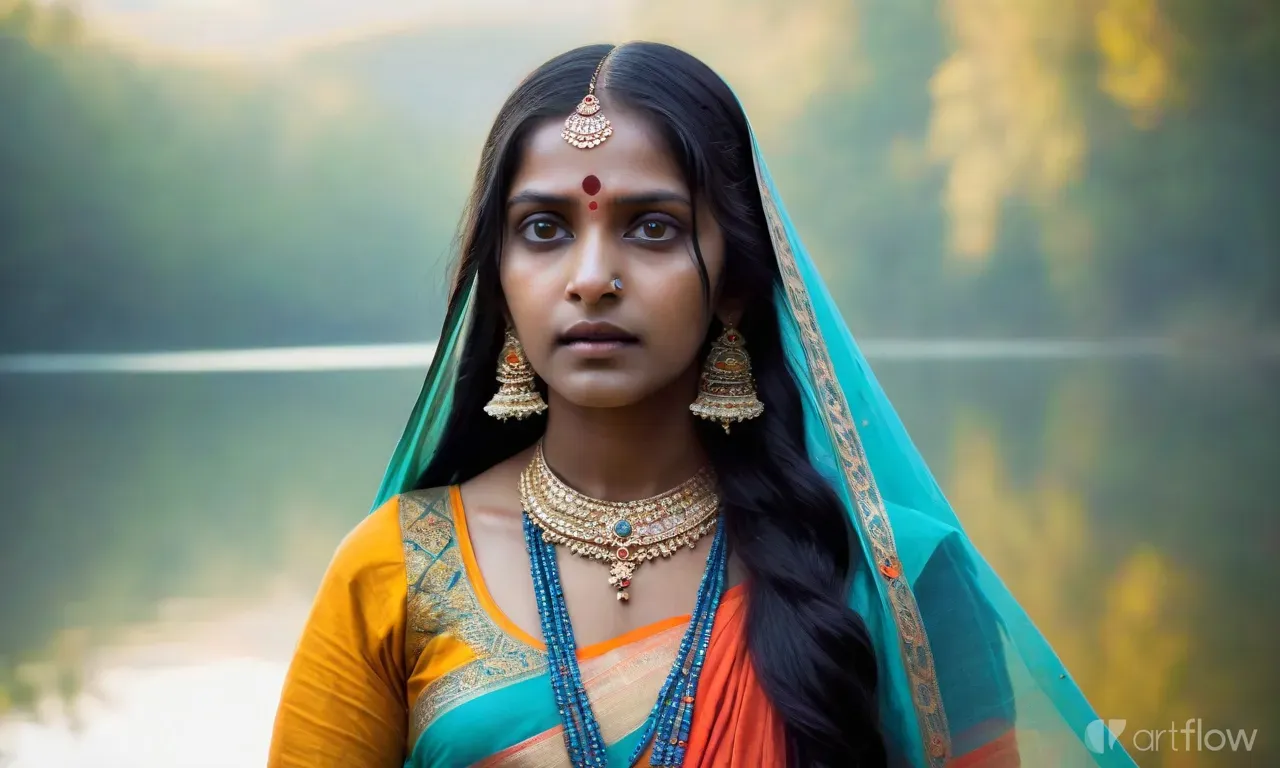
(176, 206)
(992, 167)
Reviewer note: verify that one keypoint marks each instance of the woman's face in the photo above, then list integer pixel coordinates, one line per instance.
(577, 220)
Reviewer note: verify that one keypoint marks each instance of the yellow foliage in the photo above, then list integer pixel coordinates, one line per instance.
(1002, 118)
(1134, 42)
(779, 58)
(42, 24)
(1004, 122)
(1137, 648)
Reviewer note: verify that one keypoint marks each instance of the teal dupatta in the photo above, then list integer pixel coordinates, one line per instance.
(964, 672)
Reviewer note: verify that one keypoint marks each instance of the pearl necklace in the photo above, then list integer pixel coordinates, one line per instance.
(625, 534)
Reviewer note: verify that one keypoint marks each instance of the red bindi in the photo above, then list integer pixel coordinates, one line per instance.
(593, 205)
(591, 185)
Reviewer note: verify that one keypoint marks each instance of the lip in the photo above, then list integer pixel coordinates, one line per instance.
(596, 337)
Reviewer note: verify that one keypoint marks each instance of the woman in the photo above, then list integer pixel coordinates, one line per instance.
(683, 526)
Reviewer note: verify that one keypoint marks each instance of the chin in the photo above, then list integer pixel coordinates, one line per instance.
(598, 389)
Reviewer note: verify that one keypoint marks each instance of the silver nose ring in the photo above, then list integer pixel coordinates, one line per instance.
(617, 284)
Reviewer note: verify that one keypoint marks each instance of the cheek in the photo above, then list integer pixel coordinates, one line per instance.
(678, 316)
(531, 293)
(525, 290)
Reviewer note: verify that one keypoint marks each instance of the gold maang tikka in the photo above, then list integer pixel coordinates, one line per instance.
(586, 127)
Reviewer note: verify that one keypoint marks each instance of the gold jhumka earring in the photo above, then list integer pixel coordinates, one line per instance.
(517, 397)
(586, 127)
(727, 390)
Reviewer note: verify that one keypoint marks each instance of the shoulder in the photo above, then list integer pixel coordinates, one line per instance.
(428, 532)
(418, 513)
(384, 554)
(360, 605)
(371, 548)
(396, 566)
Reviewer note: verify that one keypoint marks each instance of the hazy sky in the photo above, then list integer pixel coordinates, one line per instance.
(271, 27)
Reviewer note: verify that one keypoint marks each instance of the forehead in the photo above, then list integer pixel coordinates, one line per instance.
(634, 157)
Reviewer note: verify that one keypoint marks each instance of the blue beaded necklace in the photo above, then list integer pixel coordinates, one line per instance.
(672, 715)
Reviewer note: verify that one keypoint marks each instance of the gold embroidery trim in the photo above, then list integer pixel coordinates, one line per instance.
(872, 517)
(441, 601)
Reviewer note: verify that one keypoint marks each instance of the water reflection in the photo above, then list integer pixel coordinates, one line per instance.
(194, 690)
(163, 536)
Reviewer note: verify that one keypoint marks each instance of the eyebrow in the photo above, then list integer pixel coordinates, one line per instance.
(640, 198)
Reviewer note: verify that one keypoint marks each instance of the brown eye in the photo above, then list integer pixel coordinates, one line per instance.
(654, 231)
(543, 231)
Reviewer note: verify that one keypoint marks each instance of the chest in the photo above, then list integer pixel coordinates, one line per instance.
(478, 689)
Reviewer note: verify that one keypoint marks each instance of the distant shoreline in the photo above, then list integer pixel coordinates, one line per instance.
(418, 356)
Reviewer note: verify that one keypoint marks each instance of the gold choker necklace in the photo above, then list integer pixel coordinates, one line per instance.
(622, 533)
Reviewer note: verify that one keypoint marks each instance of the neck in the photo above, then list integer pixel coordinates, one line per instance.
(623, 454)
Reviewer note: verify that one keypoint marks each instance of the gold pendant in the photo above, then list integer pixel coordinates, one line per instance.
(620, 578)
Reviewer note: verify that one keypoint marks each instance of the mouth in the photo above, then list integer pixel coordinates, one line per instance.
(597, 338)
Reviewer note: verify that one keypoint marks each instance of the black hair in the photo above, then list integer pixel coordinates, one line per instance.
(813, 654)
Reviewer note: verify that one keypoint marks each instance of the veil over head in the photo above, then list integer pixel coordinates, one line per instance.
(966, 679)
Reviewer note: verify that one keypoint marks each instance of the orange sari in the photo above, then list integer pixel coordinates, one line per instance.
(734, 724)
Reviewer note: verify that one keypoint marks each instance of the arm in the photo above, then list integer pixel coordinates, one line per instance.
(968, 646)
(343, 702)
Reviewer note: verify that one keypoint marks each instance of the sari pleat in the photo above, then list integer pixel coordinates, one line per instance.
(734, 724)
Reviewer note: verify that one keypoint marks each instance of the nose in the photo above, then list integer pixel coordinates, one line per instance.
(591, 270)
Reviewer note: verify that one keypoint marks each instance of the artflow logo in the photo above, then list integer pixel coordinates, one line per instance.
(1102, 736)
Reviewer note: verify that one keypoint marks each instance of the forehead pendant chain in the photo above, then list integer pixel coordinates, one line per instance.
(586, 127)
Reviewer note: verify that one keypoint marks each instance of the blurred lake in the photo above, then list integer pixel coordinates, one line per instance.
(165, 533)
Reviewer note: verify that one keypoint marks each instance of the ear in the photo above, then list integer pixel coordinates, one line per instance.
(729, 310)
